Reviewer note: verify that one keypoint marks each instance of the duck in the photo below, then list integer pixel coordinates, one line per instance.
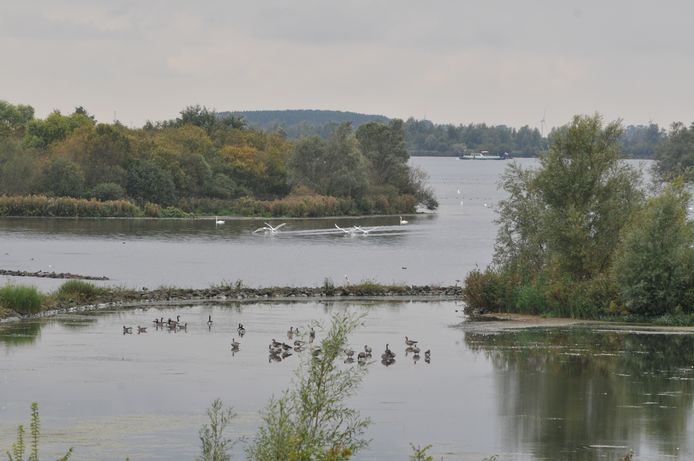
(141, 329)
(410, 342)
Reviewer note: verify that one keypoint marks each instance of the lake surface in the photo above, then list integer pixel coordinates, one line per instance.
(432, 249)
(538, 394)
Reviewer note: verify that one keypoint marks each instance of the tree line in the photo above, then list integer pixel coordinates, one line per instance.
(202, 157)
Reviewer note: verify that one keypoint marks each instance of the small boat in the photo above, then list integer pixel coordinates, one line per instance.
(484, 155)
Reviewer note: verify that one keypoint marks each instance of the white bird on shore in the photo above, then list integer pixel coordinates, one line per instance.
(402, 221)
(218, 221)
(268, 228)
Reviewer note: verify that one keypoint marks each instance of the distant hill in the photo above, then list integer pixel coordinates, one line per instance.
(299, 123)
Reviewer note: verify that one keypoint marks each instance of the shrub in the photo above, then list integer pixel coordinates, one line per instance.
(214, 446)
(310, 421)
(108, 191)
(484, 290)
(21, 299)
(79, 290)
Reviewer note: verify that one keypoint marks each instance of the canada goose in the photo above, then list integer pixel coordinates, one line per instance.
(316, 351)
(286, 354)
(275, 343)
(299, 343)
(127, 330)
(349, 352)
(388, 354)
(349, 360)
(209, 320)
(367, 350)
(427, 353)
(290, 333)
(241, 330)
(415, 358)
(410, 342)
(235, 344)
(141, 329)
(311, 335)
(362, 356)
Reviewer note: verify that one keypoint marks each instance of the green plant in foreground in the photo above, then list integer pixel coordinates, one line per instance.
(19, 446)
(214, 446)
(21, 299)
(310, 421)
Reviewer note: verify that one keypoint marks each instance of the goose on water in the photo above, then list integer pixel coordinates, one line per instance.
(410, 342)
(235, 344)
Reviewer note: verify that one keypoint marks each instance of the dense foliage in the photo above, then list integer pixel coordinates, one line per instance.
(577, 238)
(676, 155)
(201, 162)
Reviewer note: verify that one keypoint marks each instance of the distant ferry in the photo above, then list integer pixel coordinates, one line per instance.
(484, 155)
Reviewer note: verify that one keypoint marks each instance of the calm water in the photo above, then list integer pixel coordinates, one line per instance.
(525, 395)
(438, 248)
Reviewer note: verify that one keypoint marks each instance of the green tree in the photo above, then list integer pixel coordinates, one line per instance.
(148, 182)
(654, 267)
(675, 157)
(55, 127)
(310, 421)
(384, 146)
(567, 215)
(62, 178)
(14, 118)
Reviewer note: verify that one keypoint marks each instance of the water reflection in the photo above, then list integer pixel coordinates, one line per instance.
(572, 393)
(20, 334)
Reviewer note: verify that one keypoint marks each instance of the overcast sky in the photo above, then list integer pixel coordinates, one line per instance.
(456, 61)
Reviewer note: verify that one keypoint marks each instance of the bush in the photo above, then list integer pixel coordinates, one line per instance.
(311, 421)
(484, 290)
(21, 299)
(107, 191)
(79, 290)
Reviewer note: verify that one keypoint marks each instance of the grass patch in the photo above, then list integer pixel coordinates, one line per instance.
(78, 290)
(21, 299)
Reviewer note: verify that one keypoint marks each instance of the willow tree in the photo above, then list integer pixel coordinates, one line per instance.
(565, 217)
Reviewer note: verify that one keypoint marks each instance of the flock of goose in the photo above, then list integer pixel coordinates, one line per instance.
(278, 351)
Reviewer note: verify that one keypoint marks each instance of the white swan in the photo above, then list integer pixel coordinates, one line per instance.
(218, 221)
(402, 221)
(363, 230)
(349, 231)
(269, 228)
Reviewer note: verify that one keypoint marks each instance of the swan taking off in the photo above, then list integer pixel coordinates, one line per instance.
(402, 221)
(269, 228)
(349, 231)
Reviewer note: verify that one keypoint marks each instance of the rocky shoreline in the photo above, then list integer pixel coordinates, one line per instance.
(50, 275)
(117, 297)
